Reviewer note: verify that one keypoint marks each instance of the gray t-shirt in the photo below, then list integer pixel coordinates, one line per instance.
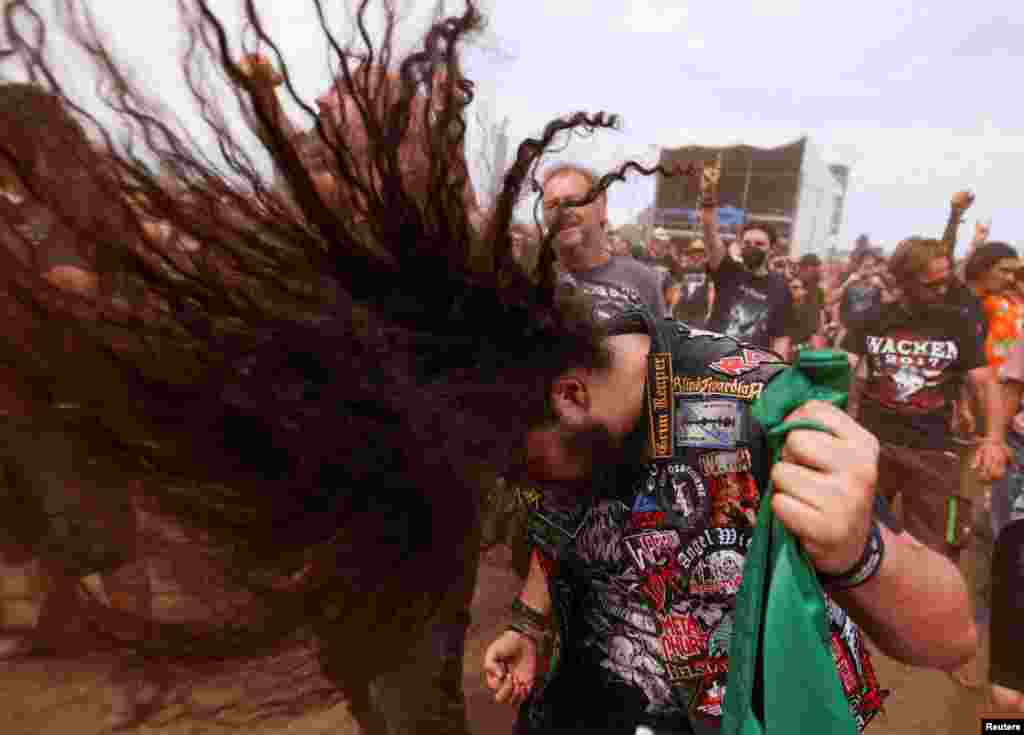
(620, 285)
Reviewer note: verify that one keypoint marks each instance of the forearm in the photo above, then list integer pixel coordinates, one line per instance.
(857, 382)
(952, 228)
(1012, 392)
(270, 111)
(916, 609)
(837, 295)
(712, 238)
(994, 405)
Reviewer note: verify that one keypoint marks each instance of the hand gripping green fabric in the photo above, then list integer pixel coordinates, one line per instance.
(782, 677)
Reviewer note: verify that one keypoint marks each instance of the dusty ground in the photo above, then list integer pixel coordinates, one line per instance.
(42, 696)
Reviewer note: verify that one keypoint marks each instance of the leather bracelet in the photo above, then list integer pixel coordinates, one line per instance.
(540, 637)
(865, 568)
(542, 640)
(523, 614)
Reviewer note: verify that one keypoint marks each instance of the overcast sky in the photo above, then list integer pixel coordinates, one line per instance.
(919, 99)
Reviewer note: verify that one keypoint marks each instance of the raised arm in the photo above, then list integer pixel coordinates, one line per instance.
(709, 178)
(260, 70)
(958, 205)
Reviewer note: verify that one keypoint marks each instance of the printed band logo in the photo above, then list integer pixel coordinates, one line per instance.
(745, 362)
(682, 638)
(712, 386)
(684, 495)
(699, 669)
(662, 405)
(708, 424)
(719, 464)
(651, 549)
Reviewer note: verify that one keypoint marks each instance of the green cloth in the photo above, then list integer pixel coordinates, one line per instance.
(782, 676)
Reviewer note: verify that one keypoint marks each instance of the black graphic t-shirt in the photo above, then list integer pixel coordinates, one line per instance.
(752, 309)
(915, 366)
(621, 285)
(859, 301)
(644, 575)
(693, 303)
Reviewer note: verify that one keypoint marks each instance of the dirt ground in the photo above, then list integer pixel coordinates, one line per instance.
(47, 696)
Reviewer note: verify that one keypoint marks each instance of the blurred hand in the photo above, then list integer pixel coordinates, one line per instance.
(981, 231)
(710, 175)
(510, 666)
(962, 201)
(259, 69)
(991, 460)
(964, 423)
(1008, 701)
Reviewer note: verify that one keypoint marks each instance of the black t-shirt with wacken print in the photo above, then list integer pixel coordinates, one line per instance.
(916, 363)
(644, 573)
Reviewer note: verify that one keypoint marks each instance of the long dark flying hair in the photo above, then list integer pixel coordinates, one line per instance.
(308, 404)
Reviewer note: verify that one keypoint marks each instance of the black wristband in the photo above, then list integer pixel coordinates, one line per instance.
(865, 568)
(526, 615)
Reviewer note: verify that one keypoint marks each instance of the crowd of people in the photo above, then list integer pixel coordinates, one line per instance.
(933, 342)
(307, 402)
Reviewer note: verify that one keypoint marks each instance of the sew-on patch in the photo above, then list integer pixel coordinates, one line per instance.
(705, 386)
(684, 497)
(743, 362)
(718, 464)
(708, 423)
(652, 549)
(662, 406)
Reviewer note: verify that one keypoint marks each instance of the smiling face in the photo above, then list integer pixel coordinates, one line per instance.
(580, 238)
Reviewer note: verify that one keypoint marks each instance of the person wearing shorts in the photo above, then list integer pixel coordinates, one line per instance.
(913, 357)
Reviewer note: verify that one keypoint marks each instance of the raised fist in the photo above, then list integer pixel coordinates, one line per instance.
(260, 70)
(981, 231)
(710, 175)
(962, 200)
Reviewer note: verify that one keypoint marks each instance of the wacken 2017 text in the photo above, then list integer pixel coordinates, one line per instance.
(711, 386)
